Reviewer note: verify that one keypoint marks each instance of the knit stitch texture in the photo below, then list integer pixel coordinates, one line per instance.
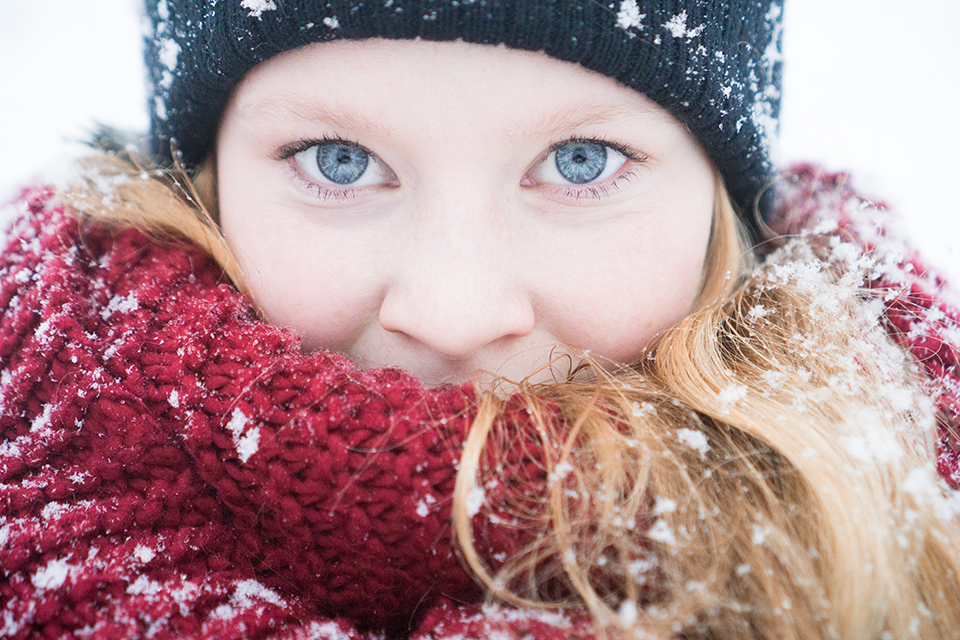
(172, 467)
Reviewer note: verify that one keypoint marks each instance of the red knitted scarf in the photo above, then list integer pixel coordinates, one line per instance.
(173, 467)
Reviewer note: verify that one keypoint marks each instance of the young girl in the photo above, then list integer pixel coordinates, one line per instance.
(470, 319)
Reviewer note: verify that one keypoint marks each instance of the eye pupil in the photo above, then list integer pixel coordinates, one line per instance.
(342, 162)
(581, 161)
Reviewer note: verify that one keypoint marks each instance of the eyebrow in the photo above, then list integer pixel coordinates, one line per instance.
(540, 125)
(578, 116)
(309, 111)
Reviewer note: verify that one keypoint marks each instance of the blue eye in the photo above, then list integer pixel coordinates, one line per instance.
(580, 161)
(341, 163)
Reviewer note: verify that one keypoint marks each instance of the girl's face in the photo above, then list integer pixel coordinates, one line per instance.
(450, 208)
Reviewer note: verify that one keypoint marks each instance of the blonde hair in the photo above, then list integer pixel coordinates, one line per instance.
(766, 471)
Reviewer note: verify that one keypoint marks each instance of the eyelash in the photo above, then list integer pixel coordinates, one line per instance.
(323, 192)
(597, 191)
(613, 184)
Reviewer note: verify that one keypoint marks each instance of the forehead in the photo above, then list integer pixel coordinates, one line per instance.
(362, 83)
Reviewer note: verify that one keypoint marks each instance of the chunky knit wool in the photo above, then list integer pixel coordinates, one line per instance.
(714, 64)
(171, 467)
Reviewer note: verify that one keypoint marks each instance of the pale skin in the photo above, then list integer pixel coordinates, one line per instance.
(460, 245)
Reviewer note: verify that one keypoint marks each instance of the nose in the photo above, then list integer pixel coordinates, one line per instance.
(457, 288)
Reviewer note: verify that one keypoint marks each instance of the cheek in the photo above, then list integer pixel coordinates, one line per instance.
(322, 286)
(629, 288)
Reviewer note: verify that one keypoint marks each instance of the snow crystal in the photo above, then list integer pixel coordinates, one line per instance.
(53, 510)
(169, 53)
(560, 472)
(826, 226)
(144, 586)
(160, 107)
(42, 334)
(257, 7)
(106, 184)
(628, 613)
(661, 532)
(237, 422)
(122, 304)
(493, 612)
(695, 585)
(677, 26)
(926, 489)
(423, 507)
(760, 534)
(42, 421)
(327, 630)
(23, 276)
(113, 348)
(733, 394)
(629, 15)
(247, 442)
(849, 254)
(174, 399)
(900, 399)
(757, 312)
(730, 396)
(920, 485)
(475, 500)
(250, 593)
(915, 627)
(332, 22)
(762, 111)
(5, 534)
(773, 379)
(695, 440)
(799, 271)
(223, 612)
(743, 569)
(144, 553)
(880, 446)
(644, 409)
(664, 505)
(640, 568)
(185, 595)
(52, 576)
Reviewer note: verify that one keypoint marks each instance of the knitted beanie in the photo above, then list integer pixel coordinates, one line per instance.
(714, 64)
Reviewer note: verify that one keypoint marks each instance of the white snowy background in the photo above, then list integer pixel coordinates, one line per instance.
(870, 86)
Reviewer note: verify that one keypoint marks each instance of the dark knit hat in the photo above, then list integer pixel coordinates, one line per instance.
(714, 64)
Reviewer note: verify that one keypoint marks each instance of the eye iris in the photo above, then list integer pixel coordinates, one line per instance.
(581, 161)
(342, 163)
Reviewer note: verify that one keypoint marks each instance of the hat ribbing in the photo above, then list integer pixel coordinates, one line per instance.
(714, 64)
